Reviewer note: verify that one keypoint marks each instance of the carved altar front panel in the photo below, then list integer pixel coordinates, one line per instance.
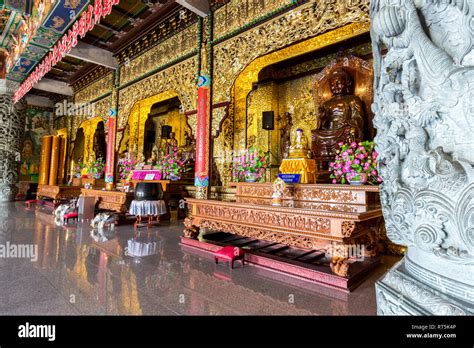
(336, 194)
(110, 200)
(57, 192)
(292, 226)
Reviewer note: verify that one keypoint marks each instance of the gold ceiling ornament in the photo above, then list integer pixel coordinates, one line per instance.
(97, 73)
(308, 20)
(180, 78)
(178, 45)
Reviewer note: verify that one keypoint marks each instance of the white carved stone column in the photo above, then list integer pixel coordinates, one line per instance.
(424, 115)
(12, 126)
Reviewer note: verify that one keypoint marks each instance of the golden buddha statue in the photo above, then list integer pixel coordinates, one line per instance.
(299, 147)
(341, 119)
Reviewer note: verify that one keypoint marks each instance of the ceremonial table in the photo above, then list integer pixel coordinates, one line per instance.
(319, 217)
(58, 192)
(110, 200)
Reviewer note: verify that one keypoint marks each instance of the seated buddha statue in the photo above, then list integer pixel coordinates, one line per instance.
(341, 120)
(299, 147)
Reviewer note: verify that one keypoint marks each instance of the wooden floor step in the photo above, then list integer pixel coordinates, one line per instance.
(242, 243)
(320, 254)
(303, 255)
(274, 251)
(263, 246)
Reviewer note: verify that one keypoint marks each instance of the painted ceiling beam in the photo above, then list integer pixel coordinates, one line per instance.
(200, 7)
(54, 86)
(37, 100)
(93, 54)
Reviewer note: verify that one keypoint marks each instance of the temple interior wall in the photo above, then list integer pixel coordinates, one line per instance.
(245, 38)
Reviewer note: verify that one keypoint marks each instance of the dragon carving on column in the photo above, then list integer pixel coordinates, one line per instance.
(424, 116)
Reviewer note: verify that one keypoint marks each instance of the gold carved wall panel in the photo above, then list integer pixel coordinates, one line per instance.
(179, 45)
(180, 78)
(89, 127)
(237, 13)
(296, 98)
(246, 79)
(218, 115)
(95, 90)
(100, 109)
(317, 17)
(138, 117)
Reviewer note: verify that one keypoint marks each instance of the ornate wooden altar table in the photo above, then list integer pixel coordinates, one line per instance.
(319, 217)
(325, 197)
(110, 200)
(58, 192)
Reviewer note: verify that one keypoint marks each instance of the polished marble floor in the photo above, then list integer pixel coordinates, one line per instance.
(75, 273)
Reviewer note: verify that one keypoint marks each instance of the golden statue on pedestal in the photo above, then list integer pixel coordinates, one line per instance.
(299, 147)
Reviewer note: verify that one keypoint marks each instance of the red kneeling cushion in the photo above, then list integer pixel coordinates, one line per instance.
(71, 215)
(229, 253)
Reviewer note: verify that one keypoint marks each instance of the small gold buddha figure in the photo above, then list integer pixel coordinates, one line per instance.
(299, 148)
(140, 161)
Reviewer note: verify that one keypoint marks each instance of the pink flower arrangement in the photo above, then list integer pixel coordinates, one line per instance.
(95, 168)
(125, 167)
(254, 162)
(172, 166)
(355, 159)
(78, 168)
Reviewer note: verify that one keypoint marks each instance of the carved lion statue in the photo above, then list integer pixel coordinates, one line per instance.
(190, 230)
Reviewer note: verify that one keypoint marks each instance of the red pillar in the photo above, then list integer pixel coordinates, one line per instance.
(203, 139)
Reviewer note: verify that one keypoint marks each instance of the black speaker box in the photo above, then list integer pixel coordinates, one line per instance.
(165, 132)
(268, 120)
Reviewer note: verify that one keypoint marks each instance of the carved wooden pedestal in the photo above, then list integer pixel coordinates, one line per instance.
(58, 192)
(331, 218)
(110, 200)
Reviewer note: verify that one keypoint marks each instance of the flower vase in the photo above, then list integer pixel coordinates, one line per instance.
(251, 177)
(359, 179)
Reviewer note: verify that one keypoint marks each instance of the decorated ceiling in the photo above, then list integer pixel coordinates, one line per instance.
(32, 28)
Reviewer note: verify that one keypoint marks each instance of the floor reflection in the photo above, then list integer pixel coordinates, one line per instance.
(148, 273)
